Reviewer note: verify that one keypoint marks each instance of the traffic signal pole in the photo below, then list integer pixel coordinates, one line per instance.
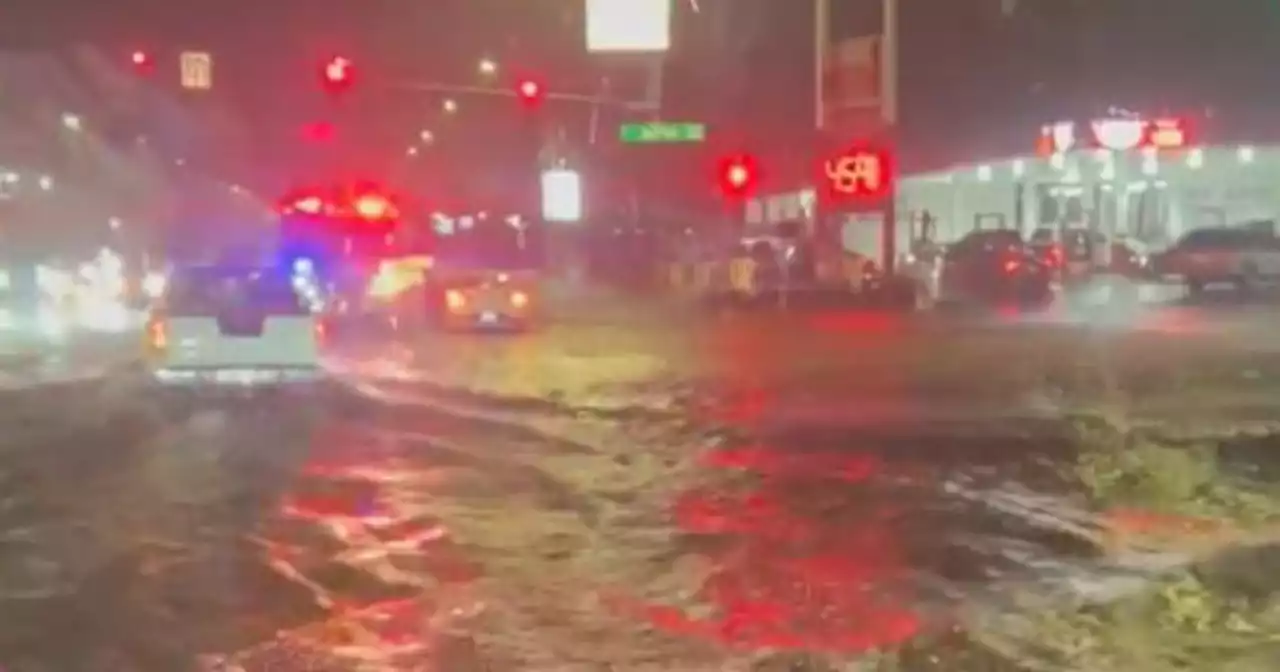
(593, 99)
(562, 245)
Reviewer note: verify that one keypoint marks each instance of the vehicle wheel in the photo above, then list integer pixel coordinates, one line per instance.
(1195, 288)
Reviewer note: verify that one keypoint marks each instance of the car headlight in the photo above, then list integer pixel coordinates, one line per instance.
(519, 299)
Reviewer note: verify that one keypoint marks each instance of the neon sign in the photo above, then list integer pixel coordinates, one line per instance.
(1118, 135)
(1167, 134)
(858, 173)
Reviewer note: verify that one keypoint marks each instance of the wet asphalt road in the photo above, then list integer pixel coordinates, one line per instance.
(626, 485)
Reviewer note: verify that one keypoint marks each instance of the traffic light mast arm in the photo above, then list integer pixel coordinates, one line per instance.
(507, 93)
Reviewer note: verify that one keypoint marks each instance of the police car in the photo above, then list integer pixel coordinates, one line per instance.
(240, 328)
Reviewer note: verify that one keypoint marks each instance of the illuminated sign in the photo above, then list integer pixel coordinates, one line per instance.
(1167, 134)
(561, 196)
(1118, 135)
(628, 25)
(860, 173)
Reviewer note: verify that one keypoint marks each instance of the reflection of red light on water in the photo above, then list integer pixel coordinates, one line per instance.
(702, 513)
(334, 507)
(791, 581)
(746, 407)
(770, 461)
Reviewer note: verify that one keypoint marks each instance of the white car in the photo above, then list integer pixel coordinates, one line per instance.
(240, 330)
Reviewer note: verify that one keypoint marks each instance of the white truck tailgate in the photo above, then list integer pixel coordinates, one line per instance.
(284, 342)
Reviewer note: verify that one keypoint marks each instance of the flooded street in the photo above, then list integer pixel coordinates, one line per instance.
(609, 497)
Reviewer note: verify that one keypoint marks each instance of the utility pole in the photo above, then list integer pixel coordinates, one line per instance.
(889, 114)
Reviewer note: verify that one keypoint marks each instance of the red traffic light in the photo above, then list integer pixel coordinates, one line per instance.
(141, 61)
(738, 175)
(360, 204)
(338, 73)
(529, 91)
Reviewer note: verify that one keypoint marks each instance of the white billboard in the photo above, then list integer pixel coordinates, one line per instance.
(628, 25)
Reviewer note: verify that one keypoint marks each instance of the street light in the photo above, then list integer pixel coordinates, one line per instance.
(427, 137)
(450, 105)
(72, 122)
(488, 66)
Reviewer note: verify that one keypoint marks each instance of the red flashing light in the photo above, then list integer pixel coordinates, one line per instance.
(142, 61)
(359, 205)
(738, 175)
(338, 73)
(311, 205)
(530, 92)
(371, 207)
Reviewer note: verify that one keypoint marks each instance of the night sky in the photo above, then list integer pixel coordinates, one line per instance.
(972, 77)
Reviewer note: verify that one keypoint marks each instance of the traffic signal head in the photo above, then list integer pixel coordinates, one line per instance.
(141, 61)
(738, 175)
(338, 73)
(530, 92)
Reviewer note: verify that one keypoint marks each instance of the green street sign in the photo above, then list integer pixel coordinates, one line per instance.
(662, 131)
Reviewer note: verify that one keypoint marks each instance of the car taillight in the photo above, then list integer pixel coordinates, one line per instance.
(157, 334)
(1055, 256)
(320, 331)
(1012, 265)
